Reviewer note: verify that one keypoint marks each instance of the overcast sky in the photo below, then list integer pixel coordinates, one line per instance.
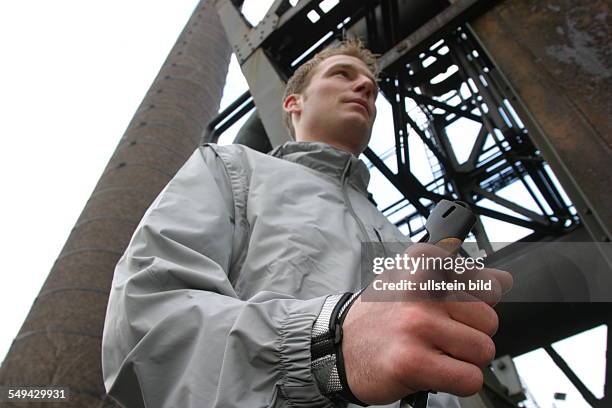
(71, 77)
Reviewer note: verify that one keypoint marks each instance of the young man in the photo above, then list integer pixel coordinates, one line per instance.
(225, 295)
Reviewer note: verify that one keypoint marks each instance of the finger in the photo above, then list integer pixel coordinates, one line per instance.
(484, 287)
(463, 342)
(476, 314)
(487, 284)
(504, 278)
(440, 372)
(424, 259)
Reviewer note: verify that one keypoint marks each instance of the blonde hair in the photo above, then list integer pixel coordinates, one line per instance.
(301, 77)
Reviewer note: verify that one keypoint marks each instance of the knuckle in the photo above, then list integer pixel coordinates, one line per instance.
(418, 322)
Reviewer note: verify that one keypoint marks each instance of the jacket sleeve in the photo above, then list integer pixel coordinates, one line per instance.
(177, 334)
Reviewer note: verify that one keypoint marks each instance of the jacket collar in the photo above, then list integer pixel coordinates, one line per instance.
(327, 159)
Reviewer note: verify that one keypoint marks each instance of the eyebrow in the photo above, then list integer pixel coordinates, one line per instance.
(352, 67)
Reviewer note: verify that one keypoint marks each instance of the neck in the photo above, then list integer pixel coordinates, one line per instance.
(340, 144)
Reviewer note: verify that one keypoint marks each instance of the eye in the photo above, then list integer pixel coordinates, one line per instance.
(343, 73)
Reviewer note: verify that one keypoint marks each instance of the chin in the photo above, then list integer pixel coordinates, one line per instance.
(357, 122)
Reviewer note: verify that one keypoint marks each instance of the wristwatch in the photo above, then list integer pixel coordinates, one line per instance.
(327, 363)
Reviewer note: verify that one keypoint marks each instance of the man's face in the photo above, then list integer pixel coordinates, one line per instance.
(338, 105)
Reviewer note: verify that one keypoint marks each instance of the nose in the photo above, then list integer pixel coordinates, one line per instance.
(364, 85)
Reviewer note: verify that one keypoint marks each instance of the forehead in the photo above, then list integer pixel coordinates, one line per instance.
(342, 60)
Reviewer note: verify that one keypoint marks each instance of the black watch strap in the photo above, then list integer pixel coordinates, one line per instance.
(346, 394)
(326, 348)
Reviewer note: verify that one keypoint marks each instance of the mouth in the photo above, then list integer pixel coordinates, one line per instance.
(361, 103)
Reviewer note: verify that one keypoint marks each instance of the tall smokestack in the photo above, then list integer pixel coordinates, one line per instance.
(60, 340)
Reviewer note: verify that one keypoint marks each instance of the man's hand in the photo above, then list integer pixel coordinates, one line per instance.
(393, 349)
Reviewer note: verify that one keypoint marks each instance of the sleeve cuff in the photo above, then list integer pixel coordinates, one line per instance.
(298, 383)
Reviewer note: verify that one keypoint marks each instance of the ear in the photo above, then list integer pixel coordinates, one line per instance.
(293, 104)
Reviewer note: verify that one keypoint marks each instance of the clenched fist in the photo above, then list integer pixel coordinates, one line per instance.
(395, 348)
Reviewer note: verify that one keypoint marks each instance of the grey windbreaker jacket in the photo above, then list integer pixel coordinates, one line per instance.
(213, 302)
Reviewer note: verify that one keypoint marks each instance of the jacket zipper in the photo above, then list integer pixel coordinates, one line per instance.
(377, 235)
(349, 205)
(380, 241)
